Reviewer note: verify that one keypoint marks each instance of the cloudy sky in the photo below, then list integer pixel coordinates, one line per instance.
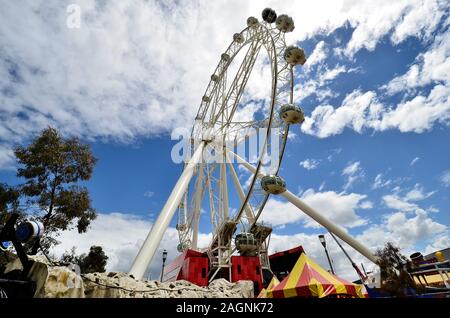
(373, 154)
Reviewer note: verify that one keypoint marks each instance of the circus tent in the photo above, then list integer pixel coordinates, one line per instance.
(308, 279)
(273, 283)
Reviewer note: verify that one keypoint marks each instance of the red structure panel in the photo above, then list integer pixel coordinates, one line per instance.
(247, 268)
(191, 266)
(282, 263)
(195, 270)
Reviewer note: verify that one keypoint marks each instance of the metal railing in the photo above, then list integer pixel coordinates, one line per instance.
(441, 268)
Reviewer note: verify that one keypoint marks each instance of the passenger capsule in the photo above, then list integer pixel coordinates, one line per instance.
(292, 114)
(273, 184)
(285, 23)
(238, 38)
(206, 99)
(294, 55)
(269, 15)
(245, 243)
(225, 57)
(214, 78)
(183, 246)
(252, 22)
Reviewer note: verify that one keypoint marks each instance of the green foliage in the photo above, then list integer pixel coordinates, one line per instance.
(52, 166)
(9, 198)
(393, 266)
(9, 202)
(94, 262)
(70, 257)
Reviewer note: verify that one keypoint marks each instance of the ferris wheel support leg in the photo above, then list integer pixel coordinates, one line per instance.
(155, 235)
(240, 192)
(330, 226)
(224, 190)
(197, 206)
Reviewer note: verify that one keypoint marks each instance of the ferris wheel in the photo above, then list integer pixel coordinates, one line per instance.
(222, 125)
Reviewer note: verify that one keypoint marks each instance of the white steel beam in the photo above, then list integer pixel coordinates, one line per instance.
(241, 194)
(155, 235)
(224, 190)
(330, 226)
(197, 205)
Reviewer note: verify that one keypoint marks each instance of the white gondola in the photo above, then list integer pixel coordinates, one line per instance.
(245, 243)
(214, 77)
(238, 38)
(285, 23)
(269, 15)
(294, 55)
(292, 114)
(273, 184)
(225, 57)
(252, 22)
(206, 99)
(183, 246)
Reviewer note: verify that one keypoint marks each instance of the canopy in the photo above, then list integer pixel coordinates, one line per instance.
(273, 283)
(308, 279)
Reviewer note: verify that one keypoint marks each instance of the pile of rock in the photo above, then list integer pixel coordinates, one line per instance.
(121, 285)
(63, 282)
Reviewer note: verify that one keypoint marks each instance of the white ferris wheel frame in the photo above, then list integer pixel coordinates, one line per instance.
(213, 125)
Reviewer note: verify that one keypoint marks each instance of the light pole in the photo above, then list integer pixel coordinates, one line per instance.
(324, 244)
(349, 258)
(164, 257)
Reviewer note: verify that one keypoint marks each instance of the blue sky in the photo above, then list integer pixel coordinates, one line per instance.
(373, 154)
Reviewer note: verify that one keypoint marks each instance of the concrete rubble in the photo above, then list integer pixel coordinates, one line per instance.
(63, 282)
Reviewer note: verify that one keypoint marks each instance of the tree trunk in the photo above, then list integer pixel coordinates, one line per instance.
(45, 219)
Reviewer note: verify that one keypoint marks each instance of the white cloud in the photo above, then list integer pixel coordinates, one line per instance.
(366, 205)
(418, 114)
(112, 232)
(445, 178)
(309, 164)
(140, 69)
(278, 213)
(149, 194)
(317, 85)
(432, 66)
(330, 75)
(405, 18)
(413, 229)
(317, 56)
(363, 110)
(338, 207)
(402, 230)
(439, 243)
(334, 153)
(414, 161)
(417, 194)
(379, 182)
(355, 110)
(419, 21)
(315, 251)
(322, 186)
(399, 204)
(7, 158)
(352, 172)
(407, 203)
